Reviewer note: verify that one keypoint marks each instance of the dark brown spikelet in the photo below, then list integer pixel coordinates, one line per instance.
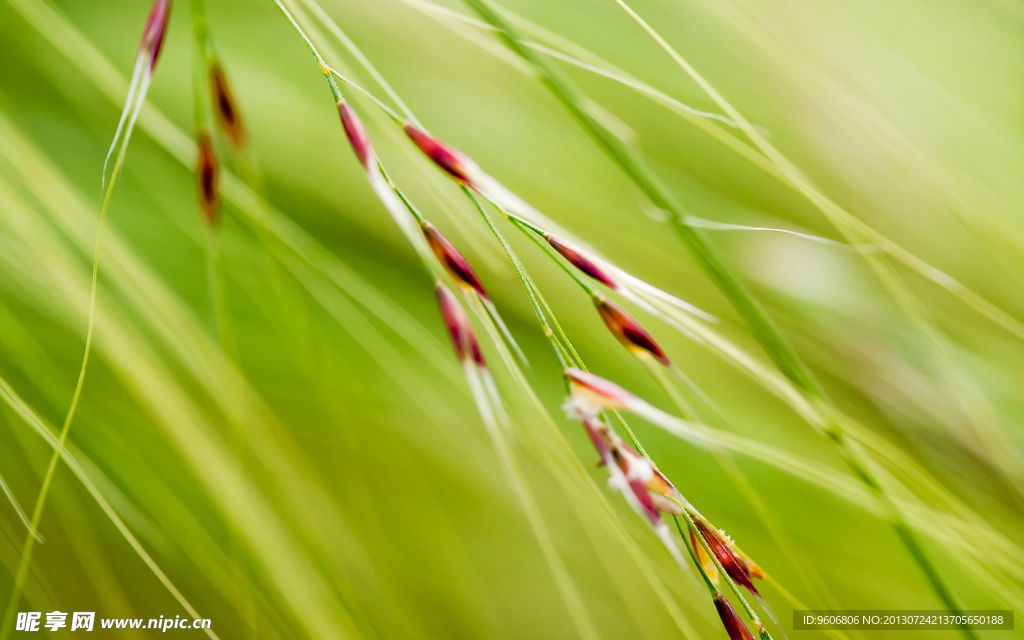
(153, 33)
(733, 564)
(206, 180)
(229, 118)
(579, 259)
(627, 330)
(454, 262)
(732, 623)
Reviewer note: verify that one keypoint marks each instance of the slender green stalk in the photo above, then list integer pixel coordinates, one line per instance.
(763, 328)
(37, 513)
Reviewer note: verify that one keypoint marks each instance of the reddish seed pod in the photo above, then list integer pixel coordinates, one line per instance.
(206, 180)
(153, 33)
(732, 623)
(356, 133)
(581, 260)
(445, 157)
(224, 106)
(627, 330)
(454, 262)
(734, 565)
(460, 330)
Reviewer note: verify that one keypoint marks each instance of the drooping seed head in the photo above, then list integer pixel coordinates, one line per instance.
(153, 33)
(454, 262)
(448, 159)
(460, 330)
(583, 261)
(732, 623)
(627, 330)
(597, 393)
(356, 133)
(206, 180)
(725, 553)
(224, 106)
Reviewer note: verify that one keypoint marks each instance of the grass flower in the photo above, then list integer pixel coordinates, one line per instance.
(153, 33)
(229, 118)
(628, 331)
(737, 564)
(460, 330)
(448, 159)
(732, 623)
(206, 179)
(452, 260)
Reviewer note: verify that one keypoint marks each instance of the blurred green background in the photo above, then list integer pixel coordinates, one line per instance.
(324, 473)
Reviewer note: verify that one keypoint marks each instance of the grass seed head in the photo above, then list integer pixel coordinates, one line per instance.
(356, 133)
(449, 160)
(580, 259)
(727, 554)
(224, 106)
(206, 178)
(453, 261)
(460, 330)
(156, 28)
(732, 623)
(628, 331)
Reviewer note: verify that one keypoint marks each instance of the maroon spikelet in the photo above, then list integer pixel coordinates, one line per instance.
(733, 564)
(732, 623)
(153, 33)
(459, 328)
(627, 330)
(581, 260)
(356, 133)
(206, 180)
(224, 106)
(454, 262)
(445, 157)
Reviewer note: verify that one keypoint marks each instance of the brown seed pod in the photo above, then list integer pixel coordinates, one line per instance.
(206, 180)
(229, 118)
